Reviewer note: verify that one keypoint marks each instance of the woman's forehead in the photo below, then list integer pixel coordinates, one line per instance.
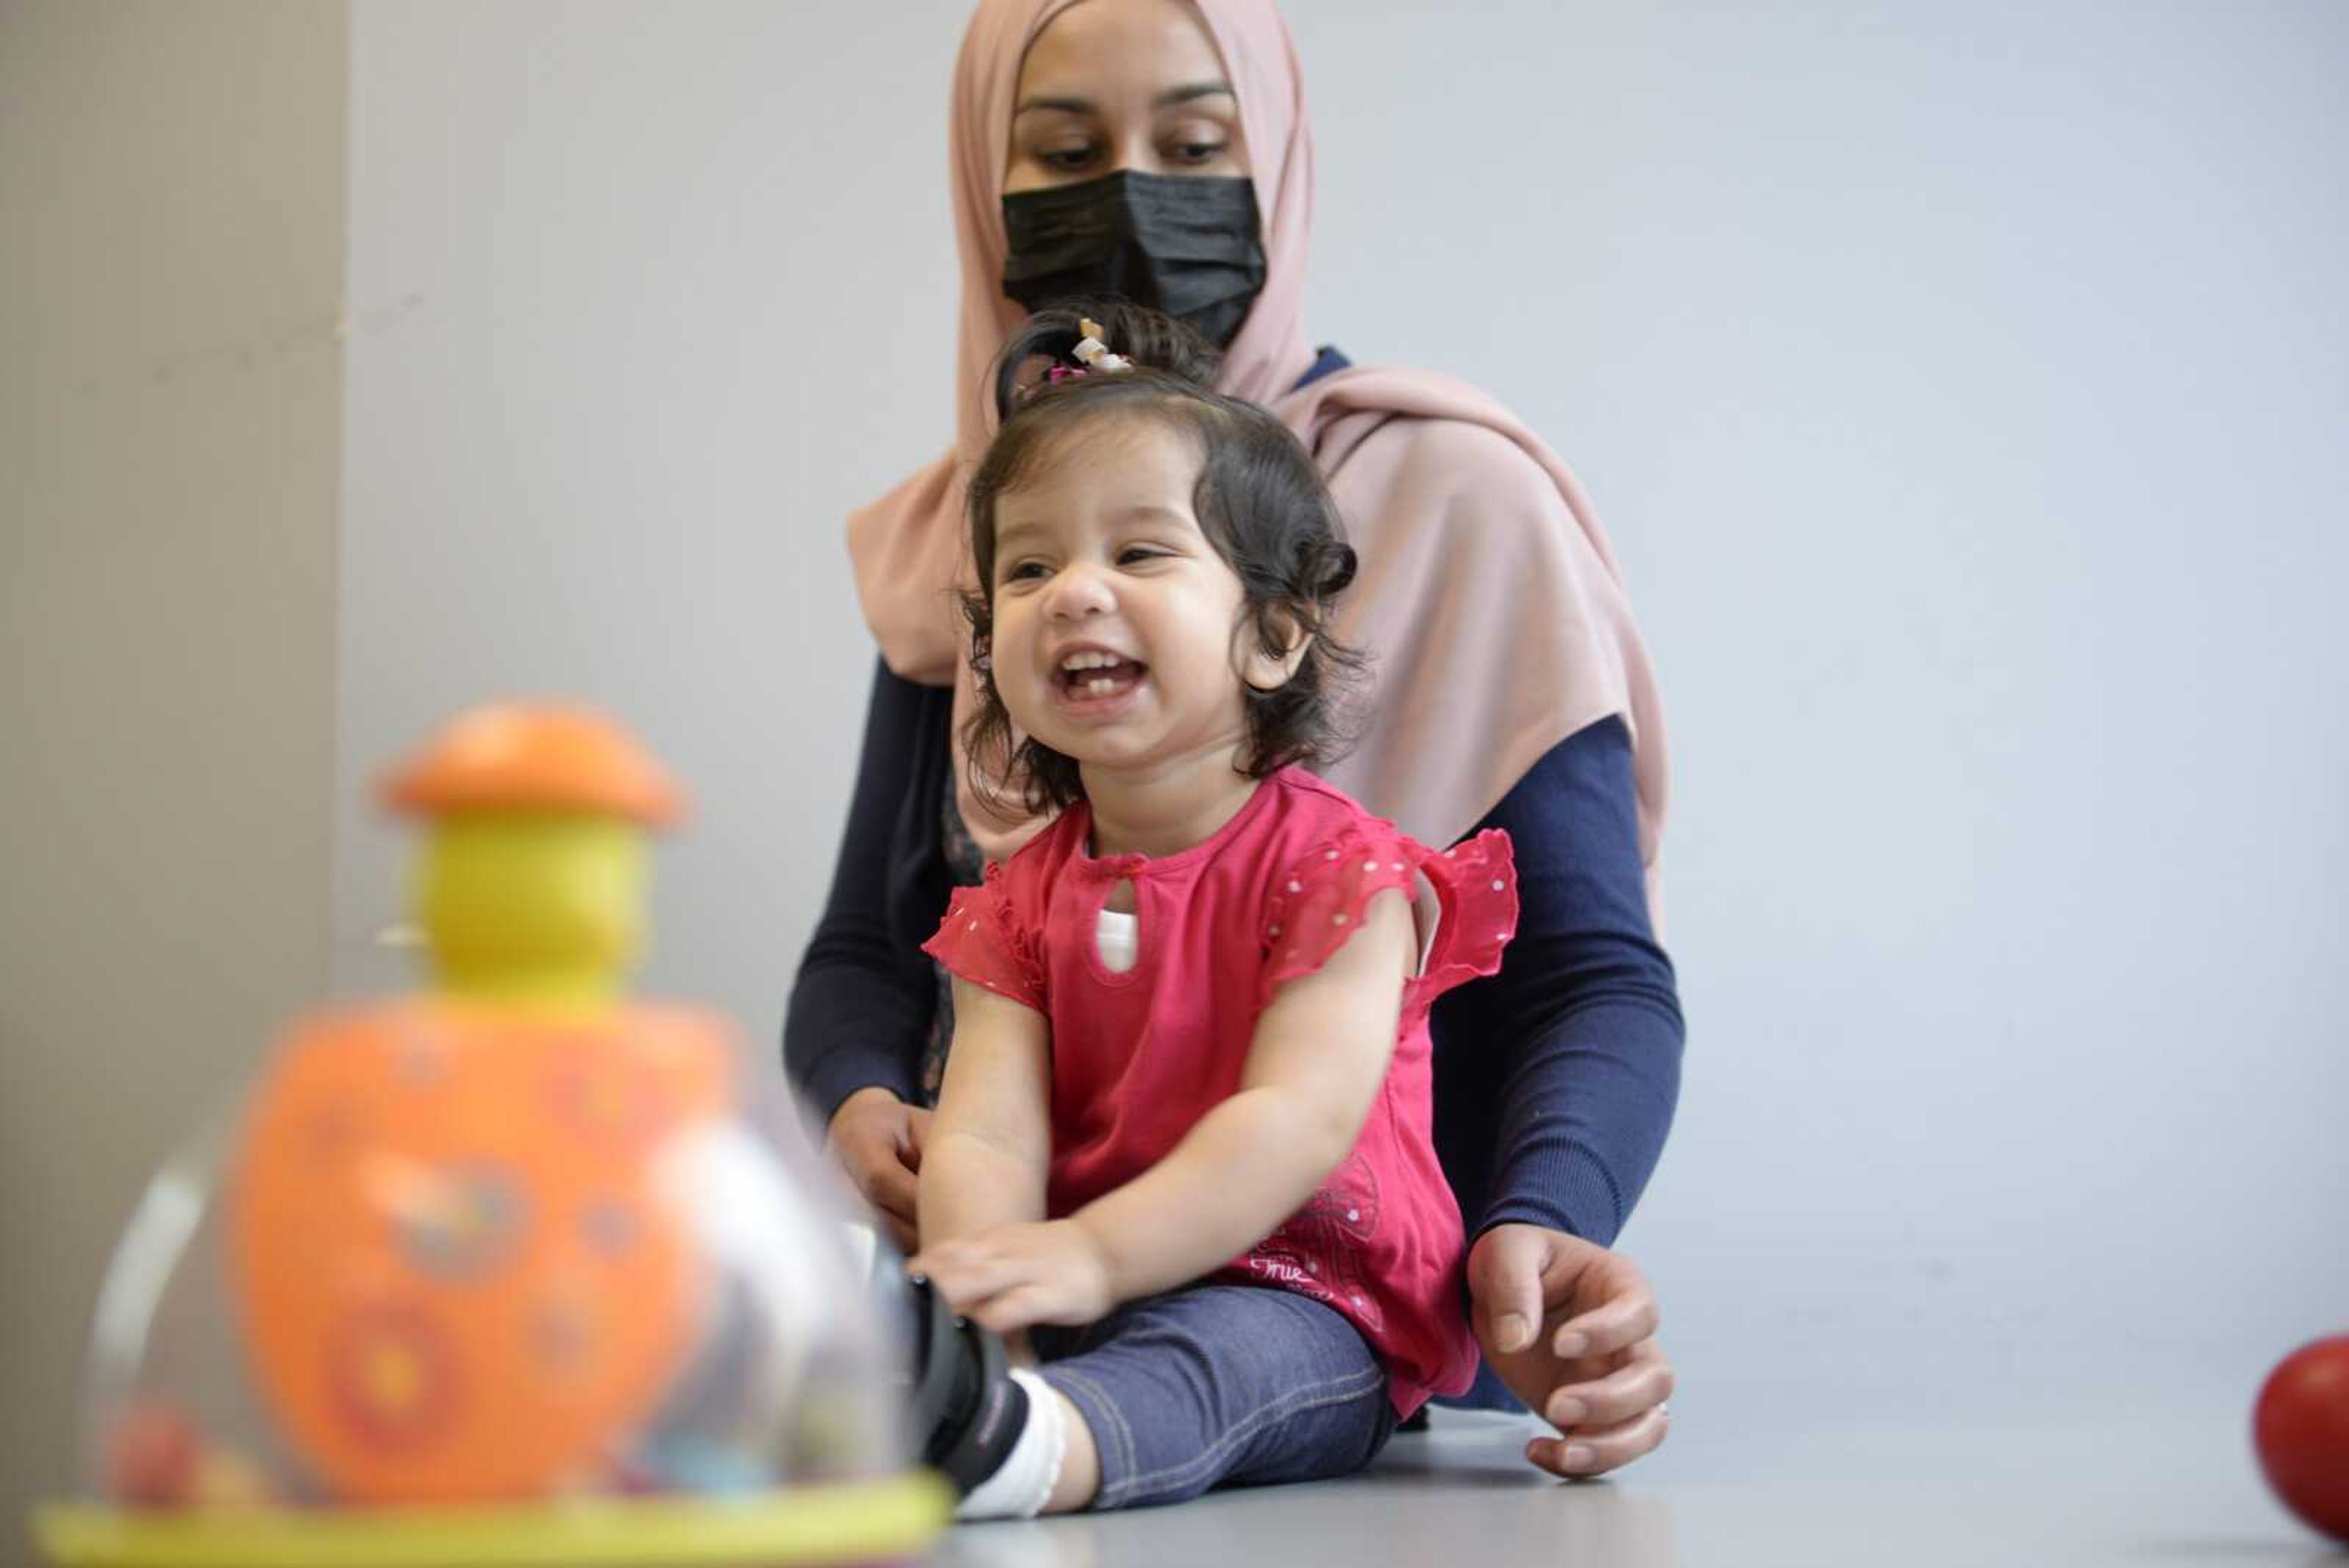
(1127, 50)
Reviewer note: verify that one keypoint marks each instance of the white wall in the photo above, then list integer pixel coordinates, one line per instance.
(170, 265)
(614, 394)
(1963, 389)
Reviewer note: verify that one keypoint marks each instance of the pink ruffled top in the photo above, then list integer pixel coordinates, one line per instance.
(1139, 1054)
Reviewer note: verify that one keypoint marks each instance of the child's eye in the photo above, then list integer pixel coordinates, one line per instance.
(1134, 555)
(1024, 572)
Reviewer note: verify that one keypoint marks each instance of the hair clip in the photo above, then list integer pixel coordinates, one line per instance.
(1094, 352)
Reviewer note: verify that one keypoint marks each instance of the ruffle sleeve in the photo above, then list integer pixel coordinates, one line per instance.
(1475, 884)
(1318, 903)
(981, 941)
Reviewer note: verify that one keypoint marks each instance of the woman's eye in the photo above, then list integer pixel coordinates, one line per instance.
(1196, 151)
(1064, 160)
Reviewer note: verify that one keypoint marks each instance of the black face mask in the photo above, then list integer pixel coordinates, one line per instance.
(1186, 244)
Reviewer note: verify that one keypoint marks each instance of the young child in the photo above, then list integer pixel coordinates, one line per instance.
(1184, 1132)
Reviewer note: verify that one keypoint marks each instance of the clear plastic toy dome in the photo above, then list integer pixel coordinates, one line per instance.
(480, 1284)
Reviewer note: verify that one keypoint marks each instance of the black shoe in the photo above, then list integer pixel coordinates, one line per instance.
(967, 1412)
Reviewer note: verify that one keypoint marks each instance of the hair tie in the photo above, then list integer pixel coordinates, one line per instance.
(1094, 352)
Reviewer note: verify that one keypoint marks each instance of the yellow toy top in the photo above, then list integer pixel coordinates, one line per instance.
(531, 891)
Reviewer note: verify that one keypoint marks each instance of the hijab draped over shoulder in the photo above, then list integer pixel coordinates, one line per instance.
(1488, 597)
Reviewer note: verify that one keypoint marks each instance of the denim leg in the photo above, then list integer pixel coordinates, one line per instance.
(1220, 1383)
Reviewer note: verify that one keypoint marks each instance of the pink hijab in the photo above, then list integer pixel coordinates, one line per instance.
(1488, 597)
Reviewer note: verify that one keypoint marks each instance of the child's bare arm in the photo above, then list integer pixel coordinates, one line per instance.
(990, 1144)
(1315, 1065)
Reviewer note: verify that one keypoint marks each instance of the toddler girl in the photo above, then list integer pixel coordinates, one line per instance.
(1182, 1141)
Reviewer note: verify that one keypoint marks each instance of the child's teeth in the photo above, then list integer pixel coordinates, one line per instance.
(1100, 688)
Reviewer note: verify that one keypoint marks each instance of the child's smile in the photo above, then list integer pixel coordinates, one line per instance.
(1094, 681)
(1114, 616)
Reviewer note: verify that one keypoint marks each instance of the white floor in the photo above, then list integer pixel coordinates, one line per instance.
(2084, 1481)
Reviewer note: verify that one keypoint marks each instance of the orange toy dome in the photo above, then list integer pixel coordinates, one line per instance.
(535, 755)
(459, 1274)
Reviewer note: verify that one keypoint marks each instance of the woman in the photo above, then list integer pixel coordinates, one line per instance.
(1159, 149)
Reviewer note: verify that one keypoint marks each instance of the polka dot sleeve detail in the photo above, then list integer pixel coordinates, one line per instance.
(1475, 884)
(980, 941)
(1318, 902)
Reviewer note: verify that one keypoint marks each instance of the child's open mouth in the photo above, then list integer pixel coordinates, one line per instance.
(1095, 676)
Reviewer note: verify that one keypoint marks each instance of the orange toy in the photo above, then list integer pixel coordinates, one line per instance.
(459, 1277)
(458, 1274)
(515, 1270)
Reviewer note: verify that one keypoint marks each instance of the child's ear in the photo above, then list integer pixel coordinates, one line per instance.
(1289, 631)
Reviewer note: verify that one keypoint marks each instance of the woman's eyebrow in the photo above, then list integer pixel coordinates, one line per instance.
(1173, 96)
(1167, 99)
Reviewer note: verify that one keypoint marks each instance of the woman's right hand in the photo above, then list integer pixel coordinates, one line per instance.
(878, 1138)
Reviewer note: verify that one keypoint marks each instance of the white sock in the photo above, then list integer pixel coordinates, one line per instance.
(1022, 1484)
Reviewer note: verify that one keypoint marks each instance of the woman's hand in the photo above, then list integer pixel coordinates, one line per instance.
(1014, 1276)
(878, 1138)
(1570, 1327)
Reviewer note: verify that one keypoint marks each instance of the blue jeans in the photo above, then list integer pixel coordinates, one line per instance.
(1215, 1384)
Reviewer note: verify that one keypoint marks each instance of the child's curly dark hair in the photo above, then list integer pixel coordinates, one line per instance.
(1258, 498)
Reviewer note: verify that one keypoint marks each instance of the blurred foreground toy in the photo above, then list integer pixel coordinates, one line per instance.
(2301, 1427)
(513, 1271)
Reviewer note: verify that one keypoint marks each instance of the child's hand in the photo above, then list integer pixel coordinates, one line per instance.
(1015, 1276)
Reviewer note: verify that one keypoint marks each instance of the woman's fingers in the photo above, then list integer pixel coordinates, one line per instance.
(1627, 1316)
(1590, 1451)
(899, 1233)
(1643, 1382)
(915, 1134)
(1505, 1285)
(888, 1185)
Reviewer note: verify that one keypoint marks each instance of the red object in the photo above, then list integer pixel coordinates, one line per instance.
(1140, 1056)
(2301, 1428)
(152, 1457)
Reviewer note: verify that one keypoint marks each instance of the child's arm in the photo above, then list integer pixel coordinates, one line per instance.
(990, 1144)
(1319, 1057)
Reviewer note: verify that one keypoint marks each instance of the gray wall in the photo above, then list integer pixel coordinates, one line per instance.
(644, 306)
(170, 265)
(1965, 388)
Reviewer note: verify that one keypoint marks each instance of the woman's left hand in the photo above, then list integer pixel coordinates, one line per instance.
(1571, 1328)
(1013, 1276)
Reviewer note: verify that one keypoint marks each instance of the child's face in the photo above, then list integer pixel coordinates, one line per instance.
(1116, 623)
